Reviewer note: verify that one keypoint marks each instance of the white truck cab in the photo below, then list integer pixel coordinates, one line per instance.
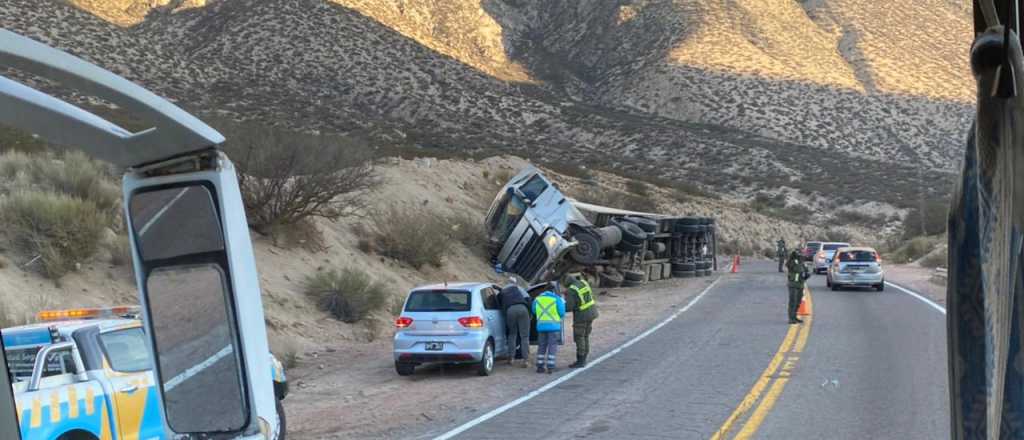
(191, 249)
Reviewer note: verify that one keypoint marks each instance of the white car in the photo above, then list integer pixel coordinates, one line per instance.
(460, 323)
(823, 258)
(856, 267)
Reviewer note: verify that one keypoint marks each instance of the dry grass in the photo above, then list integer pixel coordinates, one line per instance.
(62, 231)
(349, 295)
(415, 237)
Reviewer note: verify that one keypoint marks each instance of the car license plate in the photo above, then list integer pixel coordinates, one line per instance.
(435, 346)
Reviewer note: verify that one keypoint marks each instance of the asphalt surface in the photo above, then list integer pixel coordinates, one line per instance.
(874, 366)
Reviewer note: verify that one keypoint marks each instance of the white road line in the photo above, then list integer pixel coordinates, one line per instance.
(920, 297)
(146, 226)
(497, 411)
(195, 369)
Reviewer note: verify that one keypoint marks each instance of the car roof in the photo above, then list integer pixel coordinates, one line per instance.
(465, 285)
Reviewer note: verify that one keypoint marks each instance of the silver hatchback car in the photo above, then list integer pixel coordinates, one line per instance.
(458, 323)
(856, 267)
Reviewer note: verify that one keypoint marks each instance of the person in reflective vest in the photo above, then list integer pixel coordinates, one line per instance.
(549, 308)
(579, 299)
(796, 276)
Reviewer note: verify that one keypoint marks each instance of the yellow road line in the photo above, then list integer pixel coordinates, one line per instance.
(801, 341)
(796, 339)
(750, 428)
(755, 392)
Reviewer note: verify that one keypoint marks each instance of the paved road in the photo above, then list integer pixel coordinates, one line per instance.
(873, 365)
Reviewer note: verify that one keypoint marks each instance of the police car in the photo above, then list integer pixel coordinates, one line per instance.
(85, 374)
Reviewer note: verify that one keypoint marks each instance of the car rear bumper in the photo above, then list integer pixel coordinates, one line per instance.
(456, 349)
(860, 279)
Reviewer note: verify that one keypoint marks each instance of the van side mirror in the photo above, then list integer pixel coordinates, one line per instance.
(178, 234)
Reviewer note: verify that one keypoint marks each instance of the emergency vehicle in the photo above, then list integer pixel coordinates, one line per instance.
(86, 374)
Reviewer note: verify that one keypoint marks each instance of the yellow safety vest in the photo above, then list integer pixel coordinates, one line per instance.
(584, 294)
(546, 309)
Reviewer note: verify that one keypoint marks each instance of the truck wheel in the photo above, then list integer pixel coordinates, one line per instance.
(404, 369)
(282, 429)
(610, 279)
(687, 274)
(633, 275)
(688, 221)
(486, 365)
(630, 283)
(631, 233)
(587, 249)
(684, 267)
(628, 247)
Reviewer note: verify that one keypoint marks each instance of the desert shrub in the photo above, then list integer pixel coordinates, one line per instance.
(287, 351)
(468, 230)
(929, 219)
(8, 317)
(349, 295)
(120, 251)
(71, 173)
(13, 139)
(837, 234)
(62, 231)
(637, 187)
(397, 305)
(936, 259)
(913, 250)
(852, 217)
(415, 237)
(287, 177)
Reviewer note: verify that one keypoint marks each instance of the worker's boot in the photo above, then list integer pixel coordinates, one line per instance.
(580, 362)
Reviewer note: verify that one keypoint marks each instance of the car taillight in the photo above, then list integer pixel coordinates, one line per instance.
(471, 322)
(403, 322)
(878, 258)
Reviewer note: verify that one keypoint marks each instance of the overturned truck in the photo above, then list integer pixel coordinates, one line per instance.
(537, 233)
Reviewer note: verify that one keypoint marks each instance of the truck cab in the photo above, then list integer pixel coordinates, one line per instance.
(88, 374)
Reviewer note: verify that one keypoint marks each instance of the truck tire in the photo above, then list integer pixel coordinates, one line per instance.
(687, 274)
(282, 428)
(646, 224)
(404, 369)
(691, 229)
(631, 283)
(684, 267)
(587, 249)
(633, 275)
(610, 279)
(688, 221)
(629, 248)
(631, 233)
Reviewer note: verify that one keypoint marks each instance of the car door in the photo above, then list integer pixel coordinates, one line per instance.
(495, 318)
(191, 251)
(128, 367)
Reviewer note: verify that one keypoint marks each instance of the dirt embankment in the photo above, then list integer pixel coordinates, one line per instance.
(919, 279)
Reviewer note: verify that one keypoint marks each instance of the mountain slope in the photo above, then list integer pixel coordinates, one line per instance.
(600, 91)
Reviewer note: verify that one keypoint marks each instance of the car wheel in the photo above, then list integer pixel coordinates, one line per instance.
(282, 428)
(835, 287)
(486, 366)
(880, 287)
(404, 369)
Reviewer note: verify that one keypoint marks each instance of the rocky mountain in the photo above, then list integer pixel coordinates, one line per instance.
(836, 100)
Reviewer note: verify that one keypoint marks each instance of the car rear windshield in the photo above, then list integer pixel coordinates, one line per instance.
(834, 246)
(857, 256)
(438, 301)
(813, 245)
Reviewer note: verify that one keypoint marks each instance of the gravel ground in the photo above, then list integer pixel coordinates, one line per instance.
(918, 279)
(352, 391)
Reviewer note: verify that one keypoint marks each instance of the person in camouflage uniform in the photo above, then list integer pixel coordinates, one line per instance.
(780, 253)
(579, 299)
(796, 277)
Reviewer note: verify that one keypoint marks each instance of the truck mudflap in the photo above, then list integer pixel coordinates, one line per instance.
(985, 291)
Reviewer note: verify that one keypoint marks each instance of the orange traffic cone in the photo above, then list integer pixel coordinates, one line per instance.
(803, 310)
(735, 263)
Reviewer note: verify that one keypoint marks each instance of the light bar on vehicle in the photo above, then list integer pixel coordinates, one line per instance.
(89, 313)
